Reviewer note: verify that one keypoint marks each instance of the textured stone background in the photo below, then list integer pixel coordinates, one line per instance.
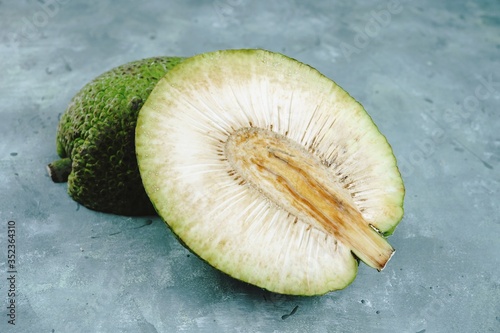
(428, 72)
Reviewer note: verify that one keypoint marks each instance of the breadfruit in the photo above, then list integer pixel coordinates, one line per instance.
(269, 171)
(95, 138)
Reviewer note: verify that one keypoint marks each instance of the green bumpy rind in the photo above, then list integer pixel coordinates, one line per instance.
(97, 132)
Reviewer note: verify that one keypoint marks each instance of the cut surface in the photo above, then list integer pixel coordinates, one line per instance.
(269, 171)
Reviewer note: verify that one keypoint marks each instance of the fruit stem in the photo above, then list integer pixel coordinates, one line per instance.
(59, 170)
(297, 180)
(336, 216)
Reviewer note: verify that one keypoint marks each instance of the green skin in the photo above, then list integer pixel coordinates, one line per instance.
(95, 139)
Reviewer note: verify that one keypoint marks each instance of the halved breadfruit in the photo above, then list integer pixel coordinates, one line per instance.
(269, 171)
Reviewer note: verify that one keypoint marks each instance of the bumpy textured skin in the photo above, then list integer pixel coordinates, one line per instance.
(97, 132)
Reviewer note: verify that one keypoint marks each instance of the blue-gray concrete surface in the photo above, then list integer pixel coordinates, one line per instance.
(428, 72)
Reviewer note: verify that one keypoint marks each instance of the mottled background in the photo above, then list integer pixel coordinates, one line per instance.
(428, 72)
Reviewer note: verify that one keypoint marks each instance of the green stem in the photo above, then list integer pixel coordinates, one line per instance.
(59, 170)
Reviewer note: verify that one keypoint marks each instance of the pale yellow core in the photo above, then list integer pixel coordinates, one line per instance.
(296, 180)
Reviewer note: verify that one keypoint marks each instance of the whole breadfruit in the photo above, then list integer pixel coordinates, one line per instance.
(95, 139)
